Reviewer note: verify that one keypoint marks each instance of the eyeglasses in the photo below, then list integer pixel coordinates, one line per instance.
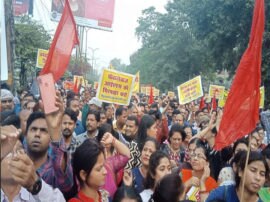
(199, 156)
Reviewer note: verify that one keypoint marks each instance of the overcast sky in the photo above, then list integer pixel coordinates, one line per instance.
(120, 43)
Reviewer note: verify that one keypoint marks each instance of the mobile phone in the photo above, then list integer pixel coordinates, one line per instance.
(48, 93)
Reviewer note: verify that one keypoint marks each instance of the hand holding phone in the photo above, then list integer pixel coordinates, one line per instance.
(47, 91)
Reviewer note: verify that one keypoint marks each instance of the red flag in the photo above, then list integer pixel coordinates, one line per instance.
(214, 103)
(202, 103)
(64, 40)
(151, 96)
(75, 87)
(241, 112)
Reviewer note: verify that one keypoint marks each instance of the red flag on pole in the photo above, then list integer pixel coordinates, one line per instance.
(64, 40)
(241, 112)
(202, 103)
(214, 103)
(151, 96)
(75, 87)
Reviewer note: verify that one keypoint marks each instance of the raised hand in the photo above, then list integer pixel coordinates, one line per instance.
(128, 178)
(9, 137)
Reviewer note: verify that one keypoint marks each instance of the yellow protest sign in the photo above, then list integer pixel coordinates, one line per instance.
(143, 90)
(221, 102)
(262, 97)
(136, 88)
(216, 90)
(156, 92)
(190, 90)
(171, 94)
(115, 87)
(41, 58)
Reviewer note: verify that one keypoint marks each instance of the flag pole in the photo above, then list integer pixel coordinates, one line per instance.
(245, 170)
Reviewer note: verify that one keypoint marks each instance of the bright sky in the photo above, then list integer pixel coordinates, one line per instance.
(121, 43)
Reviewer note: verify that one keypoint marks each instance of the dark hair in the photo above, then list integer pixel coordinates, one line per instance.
(154, 162)
(266, 152)
(12, 120)
(28, 94)
(119, 111)
(151, 139)
(154, 105)
(155, 113)
(33, 116)
(169, 189)
(176, 111)
(146, 122)
(70, 95)
(125, 192)
(71, 114)
(95, 113)
(197, 112)
(133, 118)
(85, 157)
(195, 141)
(240, 141)
(177, 128)
(205, 149)
(104, 128)
(70, 100)
(253, 156)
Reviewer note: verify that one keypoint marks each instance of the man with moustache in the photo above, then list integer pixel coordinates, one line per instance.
(92, 124)
(68, 126)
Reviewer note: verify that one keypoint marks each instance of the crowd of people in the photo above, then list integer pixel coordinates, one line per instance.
(93, 151)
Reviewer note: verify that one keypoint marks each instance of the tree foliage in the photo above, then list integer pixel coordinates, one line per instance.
(29, 37)
(196, 37)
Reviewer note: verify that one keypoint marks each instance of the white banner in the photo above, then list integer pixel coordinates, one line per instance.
(3, 43)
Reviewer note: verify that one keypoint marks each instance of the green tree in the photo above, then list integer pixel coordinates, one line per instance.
(29, 37)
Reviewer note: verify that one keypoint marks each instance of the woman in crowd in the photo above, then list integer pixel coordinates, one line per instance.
(117, 155)
(169, 189)
(139, 173)
(147, 128)
(88, 166)
(189, 134)
(226, 175)
(174, 147)
(159, 166)
(198, 181)
(255, 173)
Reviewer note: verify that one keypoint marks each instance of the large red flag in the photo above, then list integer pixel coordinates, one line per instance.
(241, 112)
(64, 40)
(202, 103)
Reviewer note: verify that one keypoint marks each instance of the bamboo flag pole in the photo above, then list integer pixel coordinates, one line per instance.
(245, 170)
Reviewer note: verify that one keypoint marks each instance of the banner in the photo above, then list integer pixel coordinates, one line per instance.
(136, 88)
(80, 80)
(115, 87)
(190, 90)
(98, 15)
(20, 7)
(68, 85)
(143, 90)
(216, 90)
(221, 102)
(262, 94)
(156, 92)
(41, 57)
(171, 94)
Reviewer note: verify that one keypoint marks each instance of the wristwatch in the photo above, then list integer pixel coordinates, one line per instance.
(36, 186)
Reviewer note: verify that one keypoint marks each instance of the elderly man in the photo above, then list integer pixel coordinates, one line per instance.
(7, 100)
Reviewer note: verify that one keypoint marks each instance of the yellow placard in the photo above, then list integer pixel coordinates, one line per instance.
(171, 94)
(147, 90)
(80, 80)
(190, 90)
(216, 90)
(41, 58)
(136, 88)
(115, 87)
(143, 90)
(156, 92)
(221, 102)
(262, 97)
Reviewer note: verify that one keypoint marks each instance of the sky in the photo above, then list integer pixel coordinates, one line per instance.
(121, 43)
